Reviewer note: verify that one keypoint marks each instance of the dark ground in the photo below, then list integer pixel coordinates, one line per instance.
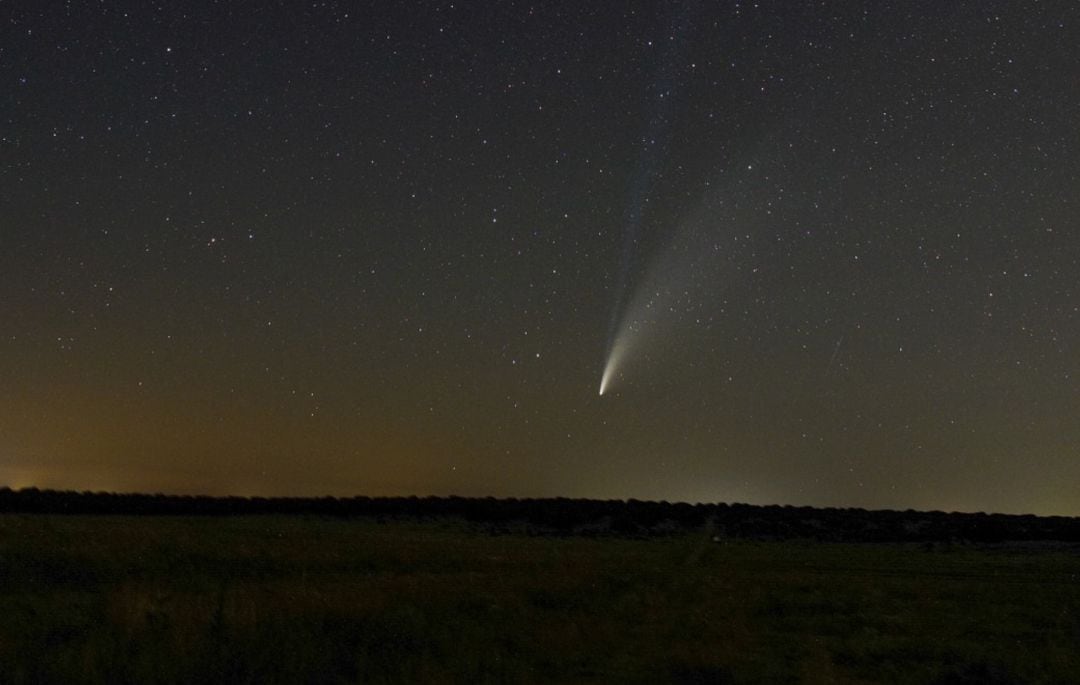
(306, 598)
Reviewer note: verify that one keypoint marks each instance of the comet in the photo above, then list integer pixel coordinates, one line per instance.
(662, 98)
(610, 367)
(679, 291)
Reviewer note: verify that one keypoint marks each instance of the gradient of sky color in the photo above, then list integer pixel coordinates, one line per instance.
(377, 248)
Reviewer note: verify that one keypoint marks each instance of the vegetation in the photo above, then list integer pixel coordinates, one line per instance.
(293, 599)
(561, 516)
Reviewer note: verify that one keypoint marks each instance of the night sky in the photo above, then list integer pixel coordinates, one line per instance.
(829, 251)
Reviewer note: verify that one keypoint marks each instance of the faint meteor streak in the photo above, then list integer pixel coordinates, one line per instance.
(836, 351)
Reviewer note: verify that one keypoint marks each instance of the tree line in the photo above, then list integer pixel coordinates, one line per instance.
(564, 516)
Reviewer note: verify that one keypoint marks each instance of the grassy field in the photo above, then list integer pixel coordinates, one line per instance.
(293, 600)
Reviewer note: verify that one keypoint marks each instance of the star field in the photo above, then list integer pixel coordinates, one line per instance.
(326, 248)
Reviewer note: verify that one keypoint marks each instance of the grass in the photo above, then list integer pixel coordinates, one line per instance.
(302, 599)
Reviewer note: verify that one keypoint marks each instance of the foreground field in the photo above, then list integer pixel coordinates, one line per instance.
(269, 599)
